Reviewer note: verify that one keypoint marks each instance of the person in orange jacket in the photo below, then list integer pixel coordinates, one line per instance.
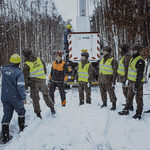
(57, 77)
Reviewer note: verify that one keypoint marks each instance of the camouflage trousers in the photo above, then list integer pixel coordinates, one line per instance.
(104, 88)
(35, 89)
(125, 91)
(139, 97)
(83, 87)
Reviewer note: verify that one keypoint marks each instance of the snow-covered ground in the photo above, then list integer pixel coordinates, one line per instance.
(86, 127)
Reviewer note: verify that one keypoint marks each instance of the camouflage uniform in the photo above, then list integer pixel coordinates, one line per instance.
(135, 87)
(84, 87)
(139, 97)
(123, 79)
(105, 83)
(36, 85)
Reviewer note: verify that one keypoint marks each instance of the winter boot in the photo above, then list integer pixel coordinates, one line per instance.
(63, 103)
(137, 116)
(81, 102)
(88, 102)
(104, 104)
(124, 104)
(39, 115)
(21, 123)
(113, 106)
(5, 134)
(148, 111)
(53, 111)
(124, 112)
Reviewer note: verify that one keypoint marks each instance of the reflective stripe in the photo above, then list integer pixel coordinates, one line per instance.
(20, 83)
(21, 116)
(121, 64)
(83, 73)
(131, 75)
(131, 70)
(36, 71)
(105, 66)
(5, 123)
(107, 70)
(83, 77)
(36, 68)
(37, 75)
(120, 69)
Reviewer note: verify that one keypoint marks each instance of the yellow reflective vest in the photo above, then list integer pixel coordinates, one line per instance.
(132, 71)
(36, 69)
(106, 68)
(121, 67)
(83, 74)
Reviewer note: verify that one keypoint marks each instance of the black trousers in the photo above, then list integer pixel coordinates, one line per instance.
(61, 89)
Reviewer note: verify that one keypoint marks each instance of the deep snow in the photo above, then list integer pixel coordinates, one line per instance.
(86, 127)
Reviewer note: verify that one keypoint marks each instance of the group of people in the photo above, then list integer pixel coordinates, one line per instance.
(129, 71)
(16, 82)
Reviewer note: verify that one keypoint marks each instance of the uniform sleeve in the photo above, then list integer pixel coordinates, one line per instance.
(90, 72)
(76, 75)
(126, 65)
(140, 65)
(45, 69)
(65, 72)
(26, 71)
(115, 67)
(21, 86)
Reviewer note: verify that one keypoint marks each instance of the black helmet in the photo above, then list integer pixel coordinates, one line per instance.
(86, 54)
(26, 53)
(136, 47)
(124, 48)
(107, 48)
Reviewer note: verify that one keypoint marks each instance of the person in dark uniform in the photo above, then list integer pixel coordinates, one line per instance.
(57, 77)
(13, 96)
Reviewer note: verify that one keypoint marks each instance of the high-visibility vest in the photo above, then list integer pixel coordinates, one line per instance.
(121, 67)
(83, 74)
(132, 71)
(36, 69)
(106, 68)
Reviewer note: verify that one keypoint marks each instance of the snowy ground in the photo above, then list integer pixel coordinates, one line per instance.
(86, 127)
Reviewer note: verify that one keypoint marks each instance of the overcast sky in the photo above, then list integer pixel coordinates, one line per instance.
(68, 9)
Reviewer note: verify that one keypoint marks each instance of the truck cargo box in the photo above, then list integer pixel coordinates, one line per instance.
(79, 41)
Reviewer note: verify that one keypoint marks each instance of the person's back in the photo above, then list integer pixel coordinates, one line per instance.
(13, 96)
(10, 83)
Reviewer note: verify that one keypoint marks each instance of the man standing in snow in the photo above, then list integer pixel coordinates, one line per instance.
(107, 77)
(136, 79)
(123, 69)
(84, 77)
(35, 77)
(57, 77)
(13, 95)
